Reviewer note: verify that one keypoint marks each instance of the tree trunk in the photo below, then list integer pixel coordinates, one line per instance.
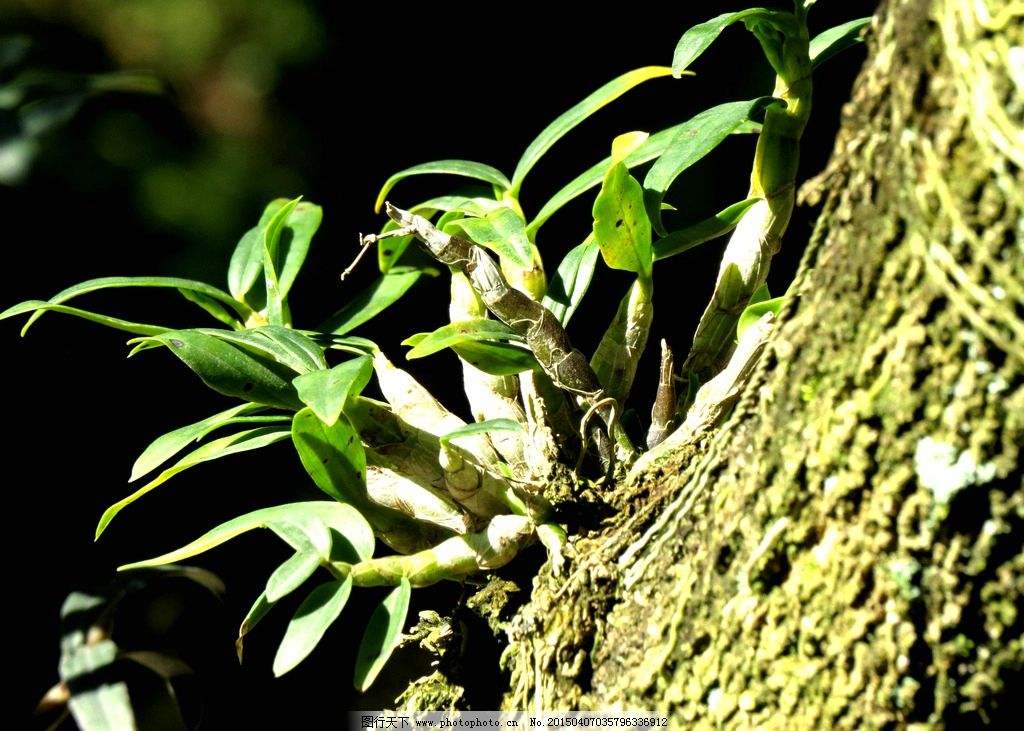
(848, 550)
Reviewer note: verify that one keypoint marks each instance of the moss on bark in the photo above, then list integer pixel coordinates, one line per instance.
(848, 551)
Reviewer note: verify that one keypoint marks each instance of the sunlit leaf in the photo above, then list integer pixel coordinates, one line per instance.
(283, 345)
(503, 231)
(571, 280)
(166, 446)
(482, 427)
(497, 359)
(137, 328)
(755, 311)
(710, 228)
(592, 177)
(247, 260)
(461, 332)
(579, 112)
(326, 391)
(183, 285)
(464, 168)
(830, 42)
(260, 608)
(626, 144)
(227, 369)
(243, 441)
(382, 635)
(318, 612)
(277, 311)
(282, 520)
(291, 574)
(302, 223)
(697, 39)
(692, 141)
(621, 227)
(96, 706)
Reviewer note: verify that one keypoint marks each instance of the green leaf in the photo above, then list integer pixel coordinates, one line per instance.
(692, 141)
(227, 369)
(318, 612)
(755, 311)
(835, 40)
(243, 441)
(190, 285)
(277, 311)
(710, 228)
(464, 168)
(571, 280)
(213, 307)
(373, 300)
(592, 177)
(283, 345)
(570, 119)
(697, 39)
(247, 260)
(291, 574)
(282, 520)
(503, 231)
(260, 608)
(37, 306)
(333, 456)
(497, 359)
(295, 239)
(382, 635)
(168, 445)
(621, 227)
(482, 427)
(326, 391)
(460, 332)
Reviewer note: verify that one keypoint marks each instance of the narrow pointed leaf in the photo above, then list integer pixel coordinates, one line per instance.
(482, 427)
(621, 227)
(654, 146)
(191, 285)
(461, 332)
(326, 391)
(166, 446)
(697, 39)
(369, 303)
(282, 519)
(570, 119)
(710, 228)
(230, 370)
(247, 260)
(277, 311)
(291, 574)
(693, 140)
(503, 231)
(243, 441)
(260, 608)
(381, 636)
(96, 706)
(464, 168)
(835, 40)
(283, 345)
(318, 612)
(302, 223)
(571, 280)
(37, 306)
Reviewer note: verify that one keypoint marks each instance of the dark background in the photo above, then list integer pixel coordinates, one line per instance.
(269, 99)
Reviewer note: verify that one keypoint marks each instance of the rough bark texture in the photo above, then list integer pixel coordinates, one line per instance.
(848, 550)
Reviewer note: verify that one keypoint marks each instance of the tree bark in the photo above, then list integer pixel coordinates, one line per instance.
(848, 549)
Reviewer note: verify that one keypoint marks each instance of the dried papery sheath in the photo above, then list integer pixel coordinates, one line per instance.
(567, 367)
(663, 412)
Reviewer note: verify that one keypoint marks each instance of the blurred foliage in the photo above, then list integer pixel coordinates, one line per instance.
(214, 148)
